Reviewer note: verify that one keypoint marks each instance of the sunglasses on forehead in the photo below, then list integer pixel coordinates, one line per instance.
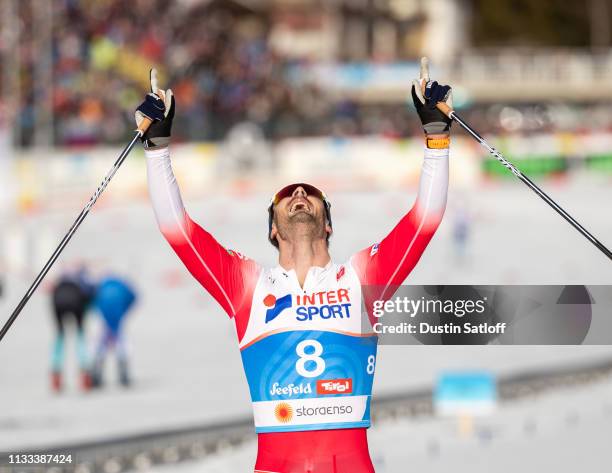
(290, 189)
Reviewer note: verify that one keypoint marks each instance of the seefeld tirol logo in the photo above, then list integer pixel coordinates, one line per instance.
(325, 305)
(335, 386)
(290, 389)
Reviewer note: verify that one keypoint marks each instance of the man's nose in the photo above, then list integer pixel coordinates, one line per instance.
(299, 192)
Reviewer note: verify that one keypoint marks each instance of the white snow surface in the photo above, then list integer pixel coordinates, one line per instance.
(565, 431)
(184, 356)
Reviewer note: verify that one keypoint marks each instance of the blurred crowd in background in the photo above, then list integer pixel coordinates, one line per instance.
(230, 61)
(221, 70)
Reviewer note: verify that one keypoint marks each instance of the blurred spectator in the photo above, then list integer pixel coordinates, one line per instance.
(114, 298)
(71, 297)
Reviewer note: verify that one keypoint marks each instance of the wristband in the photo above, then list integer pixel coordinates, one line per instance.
(437, 143)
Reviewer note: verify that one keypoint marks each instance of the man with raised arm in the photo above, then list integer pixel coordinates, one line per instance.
(308, 358)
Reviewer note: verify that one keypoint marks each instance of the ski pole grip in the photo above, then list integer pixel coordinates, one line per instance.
(144, 125)
(444, 108)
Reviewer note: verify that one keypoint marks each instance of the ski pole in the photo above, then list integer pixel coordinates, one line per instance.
(450, 113)
(139, 132)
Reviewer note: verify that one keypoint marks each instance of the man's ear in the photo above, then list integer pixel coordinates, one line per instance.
(328, 229)
(273, 231)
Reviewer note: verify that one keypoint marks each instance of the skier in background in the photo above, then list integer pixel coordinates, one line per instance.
(71, 297)
(114, 298)
(461, 233)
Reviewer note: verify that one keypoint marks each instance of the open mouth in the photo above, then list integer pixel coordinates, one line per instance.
(299, 204)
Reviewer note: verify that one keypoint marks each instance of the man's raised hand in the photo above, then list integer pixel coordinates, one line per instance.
(158, 107)
(426, 94)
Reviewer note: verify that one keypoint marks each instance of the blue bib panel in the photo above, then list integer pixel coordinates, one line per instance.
(310, 380)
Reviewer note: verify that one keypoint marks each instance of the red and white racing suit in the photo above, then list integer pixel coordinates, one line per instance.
(308, 357)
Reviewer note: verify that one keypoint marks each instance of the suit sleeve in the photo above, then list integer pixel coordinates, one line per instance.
(388, 263)
(227, 275)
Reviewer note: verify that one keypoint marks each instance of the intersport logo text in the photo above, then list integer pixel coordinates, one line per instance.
(325, 305)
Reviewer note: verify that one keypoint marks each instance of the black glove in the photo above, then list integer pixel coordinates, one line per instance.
(434, 121)
(159, 107)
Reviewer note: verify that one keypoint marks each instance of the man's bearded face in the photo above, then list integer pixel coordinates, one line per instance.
(301, 212)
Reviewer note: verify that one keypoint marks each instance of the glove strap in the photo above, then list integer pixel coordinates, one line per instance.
(437, 143)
